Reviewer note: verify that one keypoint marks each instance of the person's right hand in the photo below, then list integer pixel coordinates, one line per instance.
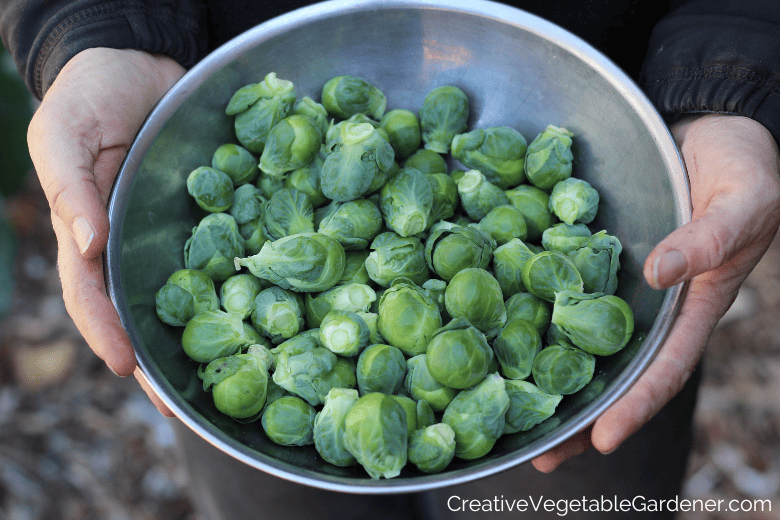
(78, 138)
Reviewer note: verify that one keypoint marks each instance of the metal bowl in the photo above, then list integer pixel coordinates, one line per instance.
(518, 70)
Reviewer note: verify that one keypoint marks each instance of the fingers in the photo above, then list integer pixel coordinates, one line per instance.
(550, 460)
(151, 394)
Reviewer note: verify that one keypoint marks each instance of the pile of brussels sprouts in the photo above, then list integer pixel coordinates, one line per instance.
(349, 292)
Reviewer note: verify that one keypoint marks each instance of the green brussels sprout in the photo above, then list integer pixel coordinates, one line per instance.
(563, 369)
(308, 262)
(258, 107)
(211, 189)
(443, 115)
(298, 344)
(445, 197)
(215, 334)
(410, 408)
(449, 251)
(268, 184)
(393, 256)
(354, 223)
(305, 374)
(532, 203)
(288, 212)
(238, 293)
(345, 96)
(549, 272)
(253, 235)
(425, 415)
(359, 155)
(329, 427)
(248, 204)
(431, 449)
(289, 421)
(403, 131)
(186, 293)
(565, 237)
(306, 106)
(342, 376)
(600, 324)
(503, 223)
(408, 317)
(458, 355)
(515, 347)
(306, 179)
(278, 313)
(477, 417)
(526, 306)
(598, 261)
(372, 320)
(508, 262)
(291, 144)
(237, 162)
(574, 201)
(497, 152)
(343, 332)
(548, 158)
(427, 161)
(475, 295)
(406, 202)
(421, 385)
(436, 289)
(354, 297)
(355, 268)
(214, 243)
(239, 383)
(381, 368)
(375, 434)
(478, 196)
(528, 406)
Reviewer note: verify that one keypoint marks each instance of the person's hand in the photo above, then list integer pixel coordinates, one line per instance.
(734, 172)
(78, 138)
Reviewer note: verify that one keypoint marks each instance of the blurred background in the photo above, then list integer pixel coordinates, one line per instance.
(78, 443)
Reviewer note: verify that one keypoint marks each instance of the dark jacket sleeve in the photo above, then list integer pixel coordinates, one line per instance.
(717, 56)
(43, 35)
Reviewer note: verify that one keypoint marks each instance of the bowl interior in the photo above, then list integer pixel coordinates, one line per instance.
(517, 70)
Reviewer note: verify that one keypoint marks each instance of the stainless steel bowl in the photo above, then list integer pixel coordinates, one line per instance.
(518, 71)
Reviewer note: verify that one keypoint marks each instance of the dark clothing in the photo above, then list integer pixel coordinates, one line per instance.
(703, 56)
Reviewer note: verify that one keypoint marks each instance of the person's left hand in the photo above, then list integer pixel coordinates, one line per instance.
(734, 171)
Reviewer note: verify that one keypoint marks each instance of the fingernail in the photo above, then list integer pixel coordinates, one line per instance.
(668, 269)
(83, 233)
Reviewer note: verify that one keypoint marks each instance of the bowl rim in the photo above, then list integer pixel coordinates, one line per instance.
(236, 47)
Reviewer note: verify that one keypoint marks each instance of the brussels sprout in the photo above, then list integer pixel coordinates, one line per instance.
(427, 161)
(253, 235)
(475, 295)
(360, 154)
(309, 262)
(436, 289)
(564, 237)
(549, 272)
(598, 261)
(355, 268)
(258, 107)
(548, 158)
(288, 212)
(354, 224)
(214, 243)
(380, 368)
(408, 317)
(354, 297)
(304, 342)
(247, 204)
(563, 369)
(457, 175)
(443, 115)
(574, 201)
(421, 385)
(238, 293)
(403, 132)
(425, 415)
(239, 383)
(211, 189)
(526, 306)
(345, 96)
(528, 406)
(186, 293)
(478, 196)
(214, 334)
(532, 203)
(306, 179)
(342, 376)
(504, 223)
(497, 152)
(237, 162)
(597, 323)
(375, 434)
(289, 421)
(268, 184)
(343, 332)
(515, 347)
(278, 313)
(372, 321)
(406, 202)
(410, 408)
(508, 262)
(431, 449)
(393, 256)
(291, 144)
(306, 106)
(448, 252)
(458, 355)
(445, 197)
(477, 417)
(305, 373)
(329, 427)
